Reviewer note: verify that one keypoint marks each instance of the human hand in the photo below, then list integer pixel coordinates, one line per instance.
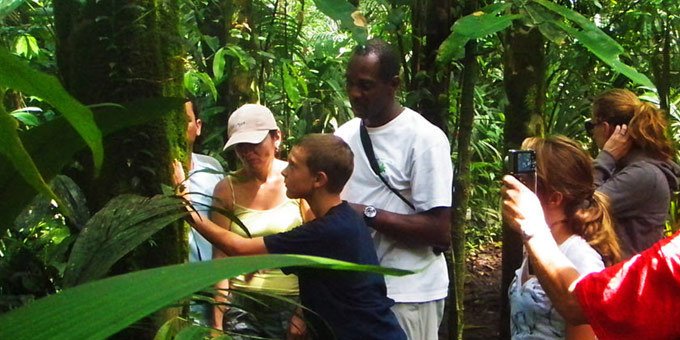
(522, 210)
(178, 177)
(619, 143)
(297, 329)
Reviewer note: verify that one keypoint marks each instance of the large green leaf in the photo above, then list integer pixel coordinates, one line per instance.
(195, 82)
(52, 146)
(17, 74)
(98, 309)
(12, 152)
(596, 41)
(343, 11)
(474, 26)
(120, 226)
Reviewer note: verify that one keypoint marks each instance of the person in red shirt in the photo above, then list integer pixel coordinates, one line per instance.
(636, 299)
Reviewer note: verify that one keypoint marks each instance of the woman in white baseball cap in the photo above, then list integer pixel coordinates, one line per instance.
(257, 195)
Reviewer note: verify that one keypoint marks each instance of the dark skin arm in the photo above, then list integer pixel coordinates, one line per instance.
(429, 228)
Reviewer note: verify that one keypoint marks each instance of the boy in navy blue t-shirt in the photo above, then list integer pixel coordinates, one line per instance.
(353, 304)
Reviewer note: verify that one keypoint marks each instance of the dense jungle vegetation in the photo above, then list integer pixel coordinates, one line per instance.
(90, 119)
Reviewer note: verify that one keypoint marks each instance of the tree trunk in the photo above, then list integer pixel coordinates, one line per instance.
(427, 78)
(111, 51)
(463, 181)
(661, 62)
(524, 82)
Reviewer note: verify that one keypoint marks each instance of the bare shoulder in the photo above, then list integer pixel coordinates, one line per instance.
(222, 194)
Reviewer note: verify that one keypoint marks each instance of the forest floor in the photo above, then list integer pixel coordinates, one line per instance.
(482, 293)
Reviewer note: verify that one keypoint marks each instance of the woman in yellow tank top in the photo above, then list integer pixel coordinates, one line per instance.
(257, 195)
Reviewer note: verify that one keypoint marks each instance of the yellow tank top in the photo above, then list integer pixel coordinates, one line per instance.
(283, 217)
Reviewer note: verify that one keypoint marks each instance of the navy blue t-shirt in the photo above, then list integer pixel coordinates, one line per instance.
(355, 305)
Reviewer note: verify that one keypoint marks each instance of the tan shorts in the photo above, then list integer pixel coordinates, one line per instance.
(420, 320)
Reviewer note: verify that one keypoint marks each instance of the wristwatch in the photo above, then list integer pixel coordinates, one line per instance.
(369, 213)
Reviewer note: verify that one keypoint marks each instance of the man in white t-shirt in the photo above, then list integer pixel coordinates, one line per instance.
(414, 158)
(205, 172)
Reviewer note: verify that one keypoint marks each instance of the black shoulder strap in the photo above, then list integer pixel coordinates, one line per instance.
(368, 149)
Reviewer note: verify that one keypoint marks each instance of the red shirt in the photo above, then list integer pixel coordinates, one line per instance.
(637, 299)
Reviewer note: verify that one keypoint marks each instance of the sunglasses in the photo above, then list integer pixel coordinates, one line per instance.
(590, 126)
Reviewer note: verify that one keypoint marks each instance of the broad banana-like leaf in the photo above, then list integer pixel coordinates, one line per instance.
(546, 22)
(195, 81)
(474, 26)
(350, 19)
(596, 41)
(99, 309)
(52, 146)
(17, 74)
(121, 225)
(14, 155)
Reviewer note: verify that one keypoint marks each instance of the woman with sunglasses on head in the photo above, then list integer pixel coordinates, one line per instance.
(580, 223)
(634, 167)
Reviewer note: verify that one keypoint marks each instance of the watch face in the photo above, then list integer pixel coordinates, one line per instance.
(370, 211)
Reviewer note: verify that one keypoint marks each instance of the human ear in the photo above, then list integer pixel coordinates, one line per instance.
(198, 124)
(608, 129)
(555, 198)
(320, 180)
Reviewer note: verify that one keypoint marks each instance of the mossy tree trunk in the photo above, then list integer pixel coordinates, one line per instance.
(115, 52)
(524, 82)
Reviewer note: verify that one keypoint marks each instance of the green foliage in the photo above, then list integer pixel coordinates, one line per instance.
(17, 75)
(50, 157)
(596, 41)
(477, 25)
(119, 227)
(551, 23)
(99, 309)
(8, 6)
(12, 150)
(343, 11)
(35, 250)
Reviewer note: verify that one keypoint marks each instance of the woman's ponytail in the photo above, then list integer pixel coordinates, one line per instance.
(595, 224)
(648, 127)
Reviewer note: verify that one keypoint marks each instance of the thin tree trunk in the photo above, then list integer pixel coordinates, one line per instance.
(524, 82)
(463, 181)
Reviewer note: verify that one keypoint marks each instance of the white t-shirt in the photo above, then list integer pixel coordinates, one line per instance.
(416, 160)
(202, 184)
(532, 314)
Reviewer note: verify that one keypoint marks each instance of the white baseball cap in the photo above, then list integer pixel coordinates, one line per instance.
(250, 123)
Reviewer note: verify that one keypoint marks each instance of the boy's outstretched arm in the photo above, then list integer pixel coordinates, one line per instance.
(230, 243)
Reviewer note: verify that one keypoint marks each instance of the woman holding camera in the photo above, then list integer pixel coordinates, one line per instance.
(580, 223)
(256, 194)
(634, 168)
